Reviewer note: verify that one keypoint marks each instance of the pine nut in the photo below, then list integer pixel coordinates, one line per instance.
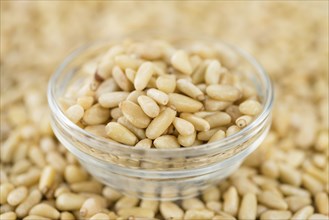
(16, 196)
(215, 105)
(190, 89)
(198, 73)
(57, 161)
(32, 199)
(206, 135)
(289, 190)
(243, 121)
(224, 216)
(217, 136)
(121, 79)
(250, 107)
(322, 203)
(136, 212)
(69, 202)
(85, 101)
(144, 144)
(170, 210)
(213, 72)
(100, 216)
(181, 62)
(149, 106)
(248, 207)
(218, 119)
(198, 214)
(318, 217)
(8, 216)
(275, 215)
(166, 142)
(166, 83)
(290, 175)
(272, 200)
(199, 123)
(36, 156)
(111, 194)
(143, 76)
(134, 114)
(109, 85)
(192, 203)
(112, 99)
(223, 93)
(45, 210)
(303, 213)
(231, 201)
(211, 194)
(297, 202)
(75, 113)
(311, 184)
(124, 62)
(47, 179)
(139, 132)
(159, 96)
(214, 206)
(126, 202)
(183, 126)
(160, 123)
(96, 114)
(120, 133)
(150, 204)
(232, 130)
(5, 189)
(92, 206)
(270, 169)
(188, 140)
(183, 103)
(87, 186)
(74, 174)
(34, 217)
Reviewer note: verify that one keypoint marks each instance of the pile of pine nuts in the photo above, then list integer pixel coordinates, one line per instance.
(153, 95)
(286, 178)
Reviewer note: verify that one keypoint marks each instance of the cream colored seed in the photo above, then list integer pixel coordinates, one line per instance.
(243, 121)
(47, 179)
(16, 196)
(311, 184)
(318, 217)
(69, 201)
(170, 210)
(270, 169)
(248, 207)
(181, 62)
(133, 96)
(215, 105)
(104, 68)
(125, 61)
(159, 96)
(297, 202)
(98, 130)
(90, 186)
(96, 115)
(223, 93)
(112, 99)
(232, 130)
(120, 134)
(6, 208)
(217, 136)
(85, 101)
(303, 213)
(223, 216)
(45, 210)
(213, 72)
(130, 73)
(212, 193)
(143, 76)
(322, 203)
(199, 214)
(5, 189)
(92, 206)
(250, 107)
(182, 103)
(214, 206)
(116, 113)
(34, 217)
(189, 89)
(134, 114)
(315, 172)
(150, 204)
(218, 119)
(159, 124)
(183, 126)
(206, 135)
(108, 85)
(289, 190)
(200, 124)
(56, 160)
(192, 203)
(149, 106)
(139, 132)
(75, 113)
(144, 144)
(187, 140)
(121, 79)
(198, 73)
(275, 215)
(231, 201)
(100, 216)
(166, 142)
(136, 212)
(290, 175)
(166, 83)
(126, 202)
(33, 198)
(233, 111)
(272, 200)
(9, 146)
(74, 174)
(8, 216)
(36, 156)
(111, 194)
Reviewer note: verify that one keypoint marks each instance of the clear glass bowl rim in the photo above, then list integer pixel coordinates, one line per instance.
(95, 141)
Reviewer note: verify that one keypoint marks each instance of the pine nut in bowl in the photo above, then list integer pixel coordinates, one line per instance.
(160, 117)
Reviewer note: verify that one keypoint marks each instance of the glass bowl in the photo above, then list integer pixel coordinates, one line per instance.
(160, 174)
